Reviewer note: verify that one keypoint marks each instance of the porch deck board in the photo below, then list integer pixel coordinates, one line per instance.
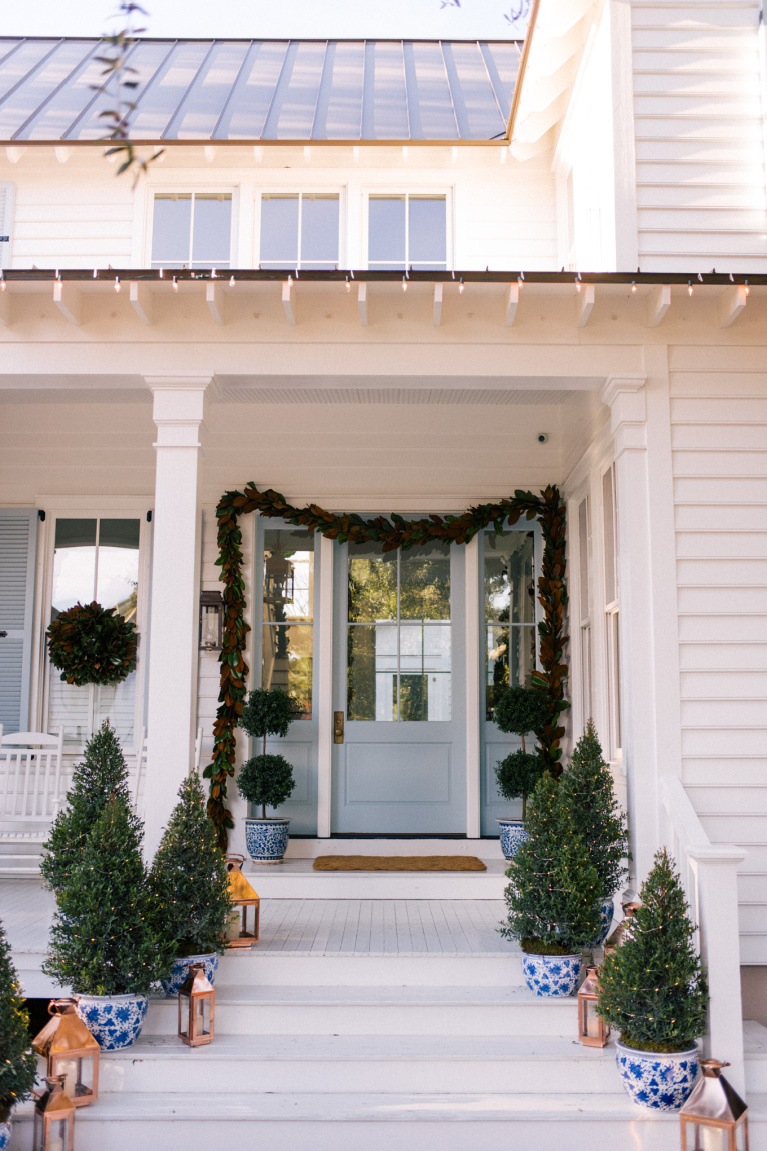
(311, 926)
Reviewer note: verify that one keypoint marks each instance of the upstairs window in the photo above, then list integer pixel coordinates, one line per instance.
(192, 230)
(299, 230)
(407, 231)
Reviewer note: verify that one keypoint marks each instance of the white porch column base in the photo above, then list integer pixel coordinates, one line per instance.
(171, 718)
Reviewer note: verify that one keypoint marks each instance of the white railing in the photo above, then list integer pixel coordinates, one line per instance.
(709, 876)
(32, 784)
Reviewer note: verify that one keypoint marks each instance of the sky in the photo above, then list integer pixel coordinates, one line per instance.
(254, 19)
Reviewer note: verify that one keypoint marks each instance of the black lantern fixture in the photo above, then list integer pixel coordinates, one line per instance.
(714, 1117)
(211, 621)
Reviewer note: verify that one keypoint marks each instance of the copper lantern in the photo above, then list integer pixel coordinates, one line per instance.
(69, 1049)
(211, 621)
(243, 896)
(592, 1029)
(196, 1008)
(714, 1115)
(54, 1118)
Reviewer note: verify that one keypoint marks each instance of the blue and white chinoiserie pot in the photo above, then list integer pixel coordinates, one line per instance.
(172, 985)
(5, 1134)
(114, 1020)
(512, 834)
(266, 839)
(606, 911)
(661, 1081)
(550, 976)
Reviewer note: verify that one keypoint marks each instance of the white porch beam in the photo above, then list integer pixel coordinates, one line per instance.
(730, 304)
(585, 304)
(437, 304)
(287, 302)
(512, 302)
(173, 655)
(658, 303)
(69, 301)
(362, 303)
(142, 302)
(325, 690)
(473, 746)
(214, 298)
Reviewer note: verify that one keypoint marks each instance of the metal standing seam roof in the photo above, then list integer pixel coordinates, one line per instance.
(263, 91)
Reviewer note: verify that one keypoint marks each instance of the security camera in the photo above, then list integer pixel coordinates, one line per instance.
(542, 438)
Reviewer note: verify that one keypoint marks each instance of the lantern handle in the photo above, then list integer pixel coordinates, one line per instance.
(61, 1006)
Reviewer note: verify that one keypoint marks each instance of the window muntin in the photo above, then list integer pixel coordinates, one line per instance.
(288, 613)
(407, 230)
(584, 568)
(192, 230)
(398, 634)
(94, 559)
(509, 611)
(300, 230)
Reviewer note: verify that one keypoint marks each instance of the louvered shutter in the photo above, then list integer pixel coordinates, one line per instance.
(6, 211)
(18, 545)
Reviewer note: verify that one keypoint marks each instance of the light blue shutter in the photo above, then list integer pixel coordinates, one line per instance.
(18, 546)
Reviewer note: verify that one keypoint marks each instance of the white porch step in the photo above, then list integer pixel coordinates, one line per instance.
(755, 1048)
(311, 847)
(378, 1064)
(376, 1011)
(366, 969)
(297, 879)
(377, 1122)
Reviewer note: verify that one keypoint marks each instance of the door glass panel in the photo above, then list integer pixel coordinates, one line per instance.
(372, 672)
(287, 634)
(372, 584)
(424, 672)
(509, 584)
(425, 583)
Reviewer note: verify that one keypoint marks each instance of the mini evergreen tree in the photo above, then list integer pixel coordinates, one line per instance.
(108, 936)
(101, 776)
(553, 894)
(267, 779)
(587, 786)
(18, 1066)
(189, 879)
(653, 988)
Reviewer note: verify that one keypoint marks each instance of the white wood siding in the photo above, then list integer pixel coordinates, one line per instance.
(699, 129)
(719, 438)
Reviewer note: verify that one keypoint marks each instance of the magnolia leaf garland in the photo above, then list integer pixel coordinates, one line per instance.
(91, 644)
(392, 533)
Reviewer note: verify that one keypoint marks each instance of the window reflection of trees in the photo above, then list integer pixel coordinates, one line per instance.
(287, 633)
(509, 595)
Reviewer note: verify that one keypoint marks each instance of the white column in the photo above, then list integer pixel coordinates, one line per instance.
(325, 690)
(173, 650)
(473, 718)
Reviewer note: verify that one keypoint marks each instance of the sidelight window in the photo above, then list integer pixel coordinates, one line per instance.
(509, 596)
(287, 629)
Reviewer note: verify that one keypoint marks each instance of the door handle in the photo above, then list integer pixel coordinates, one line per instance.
(338, 727)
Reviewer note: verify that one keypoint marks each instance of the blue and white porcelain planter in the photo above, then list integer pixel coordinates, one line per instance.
(512, 834)
(551, 975)
(266, 839)
(658, 1080)
(172, 985)
(606, 911)
(114, 1020)
(5, 1134)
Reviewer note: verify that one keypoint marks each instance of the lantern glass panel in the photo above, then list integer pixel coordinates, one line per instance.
(51, 1133)
(209, 636)
(77, 1072)
(184, 1012)
(203, 1013)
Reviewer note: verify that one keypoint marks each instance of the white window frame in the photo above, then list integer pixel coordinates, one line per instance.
(445, 192)
(582, 566)
(188, 188)
(272, 190)
(142, 615)
(611, 611)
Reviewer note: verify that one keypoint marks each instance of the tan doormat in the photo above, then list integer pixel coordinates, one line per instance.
(398, 863)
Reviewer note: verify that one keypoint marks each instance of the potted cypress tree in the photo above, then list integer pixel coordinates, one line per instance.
(653, 990)
(552, 895)
(518, 711)
(190, 884)
(267, 780)
(17, 1062)
(108, 940)
(587, 786)
(101, 776)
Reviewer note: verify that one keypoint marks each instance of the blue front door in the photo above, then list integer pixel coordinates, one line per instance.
(399, 664)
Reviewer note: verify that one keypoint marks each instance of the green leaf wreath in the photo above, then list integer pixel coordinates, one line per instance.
(91, 644)
(392, 533)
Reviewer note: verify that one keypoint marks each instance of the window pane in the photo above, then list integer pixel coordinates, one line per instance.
(509, 577)
(386, 230)
(425, 583)
(609, 520)
(371, 671)
(212, 229)
(74, 564)
(583, 548)
(279, 231)
(170, 235)
(117, 581)
(288, 575)
(319, 231)
(287, 662)
(509, 659)
(428, 231)
(117, 703)
(424, 672)
(372, 593)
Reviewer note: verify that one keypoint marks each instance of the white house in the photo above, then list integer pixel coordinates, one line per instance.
(410, 277)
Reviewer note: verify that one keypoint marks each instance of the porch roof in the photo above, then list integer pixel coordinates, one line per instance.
(261, 91)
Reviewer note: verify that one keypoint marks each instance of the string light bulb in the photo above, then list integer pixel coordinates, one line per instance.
(117, 284)
(213, 274)
(578, 282)
(461, 286)
(746, 287)
(175, 284)
(633, 285)
(231, 281)
(2, 280)
(348, 284)
(689, 287)
(521, 280)
(161, 274)
(404, 283)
